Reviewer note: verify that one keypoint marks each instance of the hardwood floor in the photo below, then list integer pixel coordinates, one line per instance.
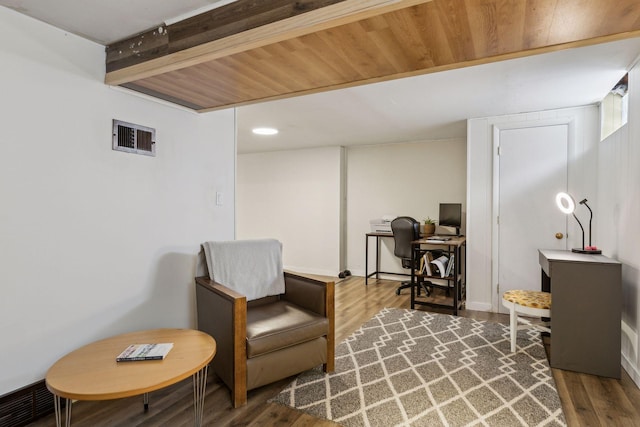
(587, 400)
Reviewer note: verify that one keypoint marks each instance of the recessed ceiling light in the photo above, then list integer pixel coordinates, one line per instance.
(265, 131)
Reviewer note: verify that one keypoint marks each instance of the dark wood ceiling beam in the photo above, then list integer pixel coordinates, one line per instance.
(198, 39)
(143, 47)
(236, 17)
(233, 18)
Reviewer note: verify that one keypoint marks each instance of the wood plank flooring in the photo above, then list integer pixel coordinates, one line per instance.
(587, 400)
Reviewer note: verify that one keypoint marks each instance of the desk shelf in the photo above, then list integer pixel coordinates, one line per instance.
(425, 276)
(455, 283)
(440, 289)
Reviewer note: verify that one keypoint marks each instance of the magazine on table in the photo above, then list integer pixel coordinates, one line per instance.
(137, 352)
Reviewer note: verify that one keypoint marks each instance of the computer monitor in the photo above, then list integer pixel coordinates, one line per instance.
(450, 215)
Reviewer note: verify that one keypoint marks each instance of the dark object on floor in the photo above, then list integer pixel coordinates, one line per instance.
(344, 274)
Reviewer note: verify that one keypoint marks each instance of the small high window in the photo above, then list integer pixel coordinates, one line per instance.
(614, 108)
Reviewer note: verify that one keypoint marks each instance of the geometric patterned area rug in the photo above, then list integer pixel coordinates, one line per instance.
(415, 368)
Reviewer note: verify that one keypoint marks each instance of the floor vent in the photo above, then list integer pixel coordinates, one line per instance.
(25, 405)
(133, 138)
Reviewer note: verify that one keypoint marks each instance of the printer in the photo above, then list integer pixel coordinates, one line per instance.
(382, 225)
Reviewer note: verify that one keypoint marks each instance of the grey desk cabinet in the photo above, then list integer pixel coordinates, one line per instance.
(586, 305)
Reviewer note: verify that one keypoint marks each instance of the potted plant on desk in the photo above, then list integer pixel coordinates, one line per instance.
(429, 226)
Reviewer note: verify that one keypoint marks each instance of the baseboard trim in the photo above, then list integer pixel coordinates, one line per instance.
(314, 271)
(631, 370)
(477, 306)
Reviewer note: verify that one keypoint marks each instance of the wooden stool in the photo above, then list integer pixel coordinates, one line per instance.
(530, 303)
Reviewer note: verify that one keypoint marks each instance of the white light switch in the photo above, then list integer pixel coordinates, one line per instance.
(219, 198)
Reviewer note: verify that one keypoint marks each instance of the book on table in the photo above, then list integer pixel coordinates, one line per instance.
(440, 264)
(137, 352)
(426, 264)
(450, 265)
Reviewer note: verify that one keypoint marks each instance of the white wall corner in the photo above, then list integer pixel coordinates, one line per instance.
(631, 369)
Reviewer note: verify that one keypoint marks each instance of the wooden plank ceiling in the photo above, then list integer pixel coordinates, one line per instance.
(251, 50)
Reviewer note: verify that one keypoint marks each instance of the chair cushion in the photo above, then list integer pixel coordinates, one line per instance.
(274, 326)
(533, 299)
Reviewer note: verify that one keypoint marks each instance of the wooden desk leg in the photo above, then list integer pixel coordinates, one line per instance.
(199, 388)
(57, 403)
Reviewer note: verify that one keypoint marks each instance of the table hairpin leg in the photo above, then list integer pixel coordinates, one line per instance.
(57, 403)
(199, 388)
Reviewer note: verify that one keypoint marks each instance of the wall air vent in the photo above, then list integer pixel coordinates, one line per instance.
(134, 138)
(24, 406)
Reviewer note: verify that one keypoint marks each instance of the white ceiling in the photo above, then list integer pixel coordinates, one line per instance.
(436, 106)
(108, 21)
(428, 107)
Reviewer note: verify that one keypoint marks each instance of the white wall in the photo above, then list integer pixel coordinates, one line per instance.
(294, 196)
(95, 242)
(618, 211)
(399, 179)
(582, 180)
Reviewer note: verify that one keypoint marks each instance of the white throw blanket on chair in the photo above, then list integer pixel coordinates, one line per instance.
(252, 268)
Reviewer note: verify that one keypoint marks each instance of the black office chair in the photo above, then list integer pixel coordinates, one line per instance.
(405, 230)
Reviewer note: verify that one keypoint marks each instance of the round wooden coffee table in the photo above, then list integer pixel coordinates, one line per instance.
(92, 373)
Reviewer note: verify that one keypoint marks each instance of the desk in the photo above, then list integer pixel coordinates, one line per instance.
(378, 235)
(586, 311)
(92, 373)
(459, 278)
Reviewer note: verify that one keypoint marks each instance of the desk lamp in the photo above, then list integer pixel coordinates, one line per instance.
(567, 205)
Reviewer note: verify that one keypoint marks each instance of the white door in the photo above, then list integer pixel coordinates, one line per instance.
(532, 169)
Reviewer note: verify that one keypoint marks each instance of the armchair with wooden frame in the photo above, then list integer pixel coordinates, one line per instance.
(270, 338)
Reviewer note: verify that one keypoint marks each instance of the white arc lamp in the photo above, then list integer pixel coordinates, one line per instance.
(567, 205)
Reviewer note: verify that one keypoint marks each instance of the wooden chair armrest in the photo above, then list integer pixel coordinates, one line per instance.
(317, 296)
(219, 289)
(307, 292)
(222, 313)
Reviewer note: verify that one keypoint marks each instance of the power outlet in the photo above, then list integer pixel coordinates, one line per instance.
(219, 198)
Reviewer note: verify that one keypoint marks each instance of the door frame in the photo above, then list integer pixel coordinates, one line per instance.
(495, 229)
